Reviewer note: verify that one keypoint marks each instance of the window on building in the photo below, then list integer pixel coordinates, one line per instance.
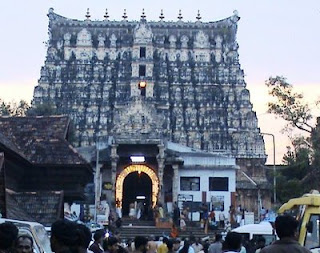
(142, 70)
(190, 183)
(218, 184)
(142, 52)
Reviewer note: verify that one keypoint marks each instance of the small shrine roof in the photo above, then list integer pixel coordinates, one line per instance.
(40, 139)
(194, 157)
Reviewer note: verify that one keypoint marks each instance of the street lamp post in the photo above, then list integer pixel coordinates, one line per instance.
(96, 183)
(274, 167)
(259, 194)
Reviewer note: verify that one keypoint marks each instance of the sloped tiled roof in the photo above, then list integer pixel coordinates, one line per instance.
(40, 139)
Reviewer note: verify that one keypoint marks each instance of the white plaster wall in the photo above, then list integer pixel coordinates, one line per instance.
(204, 175)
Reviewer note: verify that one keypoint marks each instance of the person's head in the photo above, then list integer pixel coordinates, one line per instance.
(218, 237)
(192, 239)
(111, 244)
(176, 244)
(8, 235)
(286, 226)
(24, 244)
(165, 240)
(170, 245)
(261, 242)
(85, 236)
(140, 243)
(64, 236)
(99, 236)
(185, 248)
(232, 241)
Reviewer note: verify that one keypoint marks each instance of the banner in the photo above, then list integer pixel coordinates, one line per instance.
(217, 203)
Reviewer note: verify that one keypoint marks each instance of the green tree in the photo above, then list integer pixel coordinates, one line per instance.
(301, 173)
(45, 109)
(14, 109)
(289, 104)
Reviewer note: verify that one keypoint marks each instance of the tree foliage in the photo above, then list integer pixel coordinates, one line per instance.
(302, 162)
(22, 108)
(289, 104)
(46, 109)
(14, 109)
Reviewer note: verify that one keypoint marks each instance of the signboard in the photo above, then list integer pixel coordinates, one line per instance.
(185, 197)
(217, 203)
(103, 212)
(248, 218)
(107, 186)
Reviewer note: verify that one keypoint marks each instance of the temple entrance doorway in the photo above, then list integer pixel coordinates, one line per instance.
(136, 183)
(137, 189)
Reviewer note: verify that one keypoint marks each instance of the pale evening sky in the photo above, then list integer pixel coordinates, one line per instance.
(275, 38)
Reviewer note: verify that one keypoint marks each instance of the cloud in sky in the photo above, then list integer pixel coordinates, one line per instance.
(275, 38)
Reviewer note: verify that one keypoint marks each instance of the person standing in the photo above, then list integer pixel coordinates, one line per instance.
(8, 235)
(221, 220)
(176, 214)
(286, 228)
(140, 244)
(170, 246)
(64, 237)
(216, 247)
(186, 248)
(163, 248)
(24, 244)
(98, 237)
(261, 244)
(111, 245)
(197, 246)
(232, 243)
(174, 231)
(85, 237)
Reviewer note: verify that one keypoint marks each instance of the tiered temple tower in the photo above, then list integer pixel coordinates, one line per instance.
(174, 81)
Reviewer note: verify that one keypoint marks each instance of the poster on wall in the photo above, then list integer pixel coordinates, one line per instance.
(217, 203)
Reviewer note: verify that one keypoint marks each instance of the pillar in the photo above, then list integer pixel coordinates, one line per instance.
(160, 159)
(175, 179)
(114, 163)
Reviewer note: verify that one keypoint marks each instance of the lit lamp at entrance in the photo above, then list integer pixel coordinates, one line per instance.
(136, 168)
(137, 159)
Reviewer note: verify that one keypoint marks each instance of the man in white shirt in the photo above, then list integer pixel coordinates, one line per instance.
(221, 219)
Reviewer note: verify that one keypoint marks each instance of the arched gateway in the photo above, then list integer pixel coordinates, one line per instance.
(139, 168)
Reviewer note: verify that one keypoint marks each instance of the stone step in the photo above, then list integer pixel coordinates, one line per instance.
(129, 232)
(127, 222)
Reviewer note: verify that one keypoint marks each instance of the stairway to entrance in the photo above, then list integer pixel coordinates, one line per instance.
(132, 228)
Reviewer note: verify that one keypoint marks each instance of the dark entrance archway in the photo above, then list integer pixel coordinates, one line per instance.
(136, 185)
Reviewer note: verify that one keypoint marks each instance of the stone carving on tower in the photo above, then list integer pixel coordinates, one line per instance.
(192, 76)
(142, 34)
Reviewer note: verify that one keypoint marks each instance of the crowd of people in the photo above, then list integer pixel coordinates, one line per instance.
(70, 237)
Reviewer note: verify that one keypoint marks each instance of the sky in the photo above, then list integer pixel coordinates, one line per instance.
(276, 37)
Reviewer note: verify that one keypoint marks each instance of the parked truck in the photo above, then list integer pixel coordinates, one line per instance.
(307, 211)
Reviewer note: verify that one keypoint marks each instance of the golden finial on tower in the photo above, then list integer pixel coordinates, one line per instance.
(198, 16)
(106, 15)
(161, 15)
(180, 16)
(124, 16)
(88, 14)
(143, 15)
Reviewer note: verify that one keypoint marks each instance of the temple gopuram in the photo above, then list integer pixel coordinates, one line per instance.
(160, 108)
